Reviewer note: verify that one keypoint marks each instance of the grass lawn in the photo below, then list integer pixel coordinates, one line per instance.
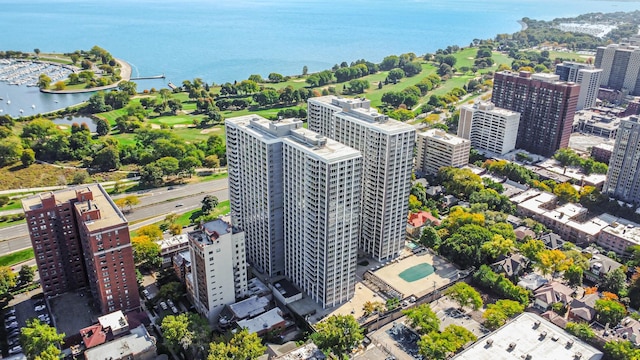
(15, 176)
(465, 57)
(456, 81)
(125, 139)
(12, 205)
(266, 113)
(375, 95)
(12, 223)
(173, 119)
(212, 177)
(16, 257)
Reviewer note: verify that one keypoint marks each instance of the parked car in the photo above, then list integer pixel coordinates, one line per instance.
(14, 333)
(10, 318)
(174, 309)
(10, 312)
(43, 317)
(170, 303)
(146, 293)
(163, 305)
(39, 308)
(179, 204)
(11, 324)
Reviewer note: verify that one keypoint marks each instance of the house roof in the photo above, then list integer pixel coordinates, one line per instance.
(556, 319)
(630, 330)
(420, 218)
(554, 292)
(584, 308)
(552, 240)
(93, 336)
(532, 281)
(511, 265)
(523, 231)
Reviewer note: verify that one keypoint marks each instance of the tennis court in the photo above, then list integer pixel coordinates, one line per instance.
(417, 272)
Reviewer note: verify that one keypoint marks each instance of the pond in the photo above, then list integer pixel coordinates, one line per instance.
(67, 121)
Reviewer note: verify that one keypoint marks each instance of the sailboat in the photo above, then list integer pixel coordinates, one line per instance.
(33, 106)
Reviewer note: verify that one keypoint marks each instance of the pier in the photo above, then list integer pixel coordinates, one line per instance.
(149, 77)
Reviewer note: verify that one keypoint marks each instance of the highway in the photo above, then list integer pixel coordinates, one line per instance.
(154, 205)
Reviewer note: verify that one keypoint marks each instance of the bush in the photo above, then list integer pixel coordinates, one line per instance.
(502, 286)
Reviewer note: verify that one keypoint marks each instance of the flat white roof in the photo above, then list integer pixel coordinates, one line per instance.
(262, 322)
(627, 230)
(250, 307)
(319, 146)
(529, 334)
(443, 137)
(139, 341)
(114, 320)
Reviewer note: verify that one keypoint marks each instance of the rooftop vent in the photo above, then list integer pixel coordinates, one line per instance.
(555, 338)
(536, 324)
(489, 342)
(578, 355)
(511, 346)
(569, 343)
(543, 335)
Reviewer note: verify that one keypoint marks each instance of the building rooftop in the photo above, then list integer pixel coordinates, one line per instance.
(320, 146)
(177, 240)
(529, 336)
(490, 107)
(211, 231)
(116, 321)
(262, 322)
(444, 137)
(308, 351)
(375, 120)
(139, 341)
(250, 307)
(267, 130)
(110, 214)
(624, 229)
(93, 336)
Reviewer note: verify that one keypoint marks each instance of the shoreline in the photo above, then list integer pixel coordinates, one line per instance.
(523, 25)
(125, 73)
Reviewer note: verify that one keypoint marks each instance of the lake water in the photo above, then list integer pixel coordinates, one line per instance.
(70, 120)
(222, 40)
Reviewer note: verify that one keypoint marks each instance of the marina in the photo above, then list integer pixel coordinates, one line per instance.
(27, 72)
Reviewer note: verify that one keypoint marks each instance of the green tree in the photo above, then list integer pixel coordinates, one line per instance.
(464, 295)
(242, 345)
(497, 314)
(338, 334)
(44, 81)
(209, 203)
(531, 249)
(7, 280)
(146, 252)
(610, 312)
(566, 192)
(11, 150)
(106, 159)
(614, 281)
(40, 341)
(440, 346)
(430, 238)
(175, 330)
(573, 275)
(581, 330)
(621, 350)
(102, 127)
(172, 290)
(26, 274)
(422, 318)
(168, 165)
(153, 232)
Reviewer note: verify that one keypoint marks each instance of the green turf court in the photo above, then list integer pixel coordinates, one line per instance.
(416, 272)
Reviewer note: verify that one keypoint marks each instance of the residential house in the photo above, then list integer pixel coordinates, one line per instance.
(599, 265)
(552, 241)
(552, 293)
(418, 220)
(511, 266)
(522, 232)
(138, 345)
(532, 281)
(629, 330)
(584, 309)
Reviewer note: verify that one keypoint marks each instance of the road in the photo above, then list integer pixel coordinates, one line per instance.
(154, 205)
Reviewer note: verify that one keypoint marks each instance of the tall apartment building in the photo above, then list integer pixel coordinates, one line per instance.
(489, 128)
(81, 238)
(584, 74)
(387, 150)
(218, 270)
(296, 194)
(322, 180)
(623, 178)
(620, 64)
(546, 106)
(438, 149)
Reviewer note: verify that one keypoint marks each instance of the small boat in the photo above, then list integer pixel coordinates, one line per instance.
(33, 106)
(55, 101)
(8, 102)
(21, 111)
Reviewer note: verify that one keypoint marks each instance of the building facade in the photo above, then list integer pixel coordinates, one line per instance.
(546, 106)
(620, 64)
(584, 74)
(80, 239)
(387, 150)
(489, 128)
(623, 178)
(437, 149)
(322, 211)
(305, 188)
(218, 268)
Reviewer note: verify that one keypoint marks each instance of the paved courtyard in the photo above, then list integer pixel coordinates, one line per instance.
(443, 272)
(73, 311)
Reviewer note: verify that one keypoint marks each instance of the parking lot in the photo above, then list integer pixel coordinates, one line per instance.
(73, 311)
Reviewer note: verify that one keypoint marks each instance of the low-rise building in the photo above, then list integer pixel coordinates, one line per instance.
(291, 351)
(286, 292)
(584, 309)
(248, 308)
(619, 236)
(511, 266)
(602, 152)
(596, 123)
(172, 246)
(599, 265)
(529, 336)
(571, 222)
(138, 345)
(552, 293)
(271, 320)
(438, 149)
(182, 264)
(419, 220)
